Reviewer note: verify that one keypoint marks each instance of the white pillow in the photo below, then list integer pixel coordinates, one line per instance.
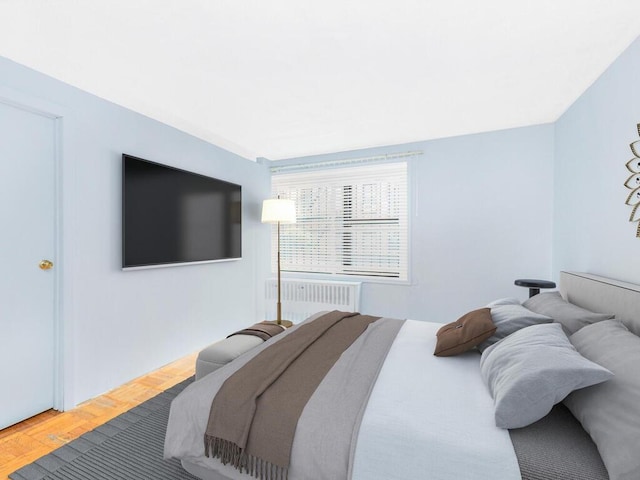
(531, 370)
(504, 301)
(571, 317)
(509, 318)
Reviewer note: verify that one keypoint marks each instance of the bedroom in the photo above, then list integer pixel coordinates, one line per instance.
(559, 206)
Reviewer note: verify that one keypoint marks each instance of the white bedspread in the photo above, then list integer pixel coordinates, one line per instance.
(431, 417)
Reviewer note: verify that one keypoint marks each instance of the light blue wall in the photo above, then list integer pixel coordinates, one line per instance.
(118, 325)
(591, 228)
(485, 209)
(481, 216)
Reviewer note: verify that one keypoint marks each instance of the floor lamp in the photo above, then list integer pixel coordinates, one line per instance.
(279, 210)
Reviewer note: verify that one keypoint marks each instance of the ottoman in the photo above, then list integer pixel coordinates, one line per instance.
(220, 353)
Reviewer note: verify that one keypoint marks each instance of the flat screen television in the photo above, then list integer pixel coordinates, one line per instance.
(172, 216)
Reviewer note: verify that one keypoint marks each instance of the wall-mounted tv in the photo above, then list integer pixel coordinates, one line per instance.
(172, 216)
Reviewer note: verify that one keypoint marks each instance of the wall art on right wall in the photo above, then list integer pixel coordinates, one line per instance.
(633, 183)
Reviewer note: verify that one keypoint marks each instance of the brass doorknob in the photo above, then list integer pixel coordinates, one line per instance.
(46, 265)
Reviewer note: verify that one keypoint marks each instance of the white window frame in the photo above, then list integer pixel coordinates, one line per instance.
(296, 182)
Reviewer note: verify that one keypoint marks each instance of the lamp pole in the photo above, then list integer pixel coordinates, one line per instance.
(279, 307)
(277, 210)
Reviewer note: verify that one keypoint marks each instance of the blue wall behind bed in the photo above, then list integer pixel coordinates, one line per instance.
(591, 228)
(481, 212)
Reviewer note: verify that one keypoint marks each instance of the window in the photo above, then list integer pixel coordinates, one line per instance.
(350, 220)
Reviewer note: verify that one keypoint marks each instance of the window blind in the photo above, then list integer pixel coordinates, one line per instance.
(350, 221)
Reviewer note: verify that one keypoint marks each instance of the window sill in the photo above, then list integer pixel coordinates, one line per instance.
(344, 278)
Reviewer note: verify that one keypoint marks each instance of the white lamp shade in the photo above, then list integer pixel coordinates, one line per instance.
(277, 210)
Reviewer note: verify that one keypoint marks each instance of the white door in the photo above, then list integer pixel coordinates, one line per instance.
(27, 229)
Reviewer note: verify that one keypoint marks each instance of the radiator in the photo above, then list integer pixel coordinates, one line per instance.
(301, 298)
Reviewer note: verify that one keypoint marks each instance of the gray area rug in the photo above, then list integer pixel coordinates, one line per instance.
(128, 447)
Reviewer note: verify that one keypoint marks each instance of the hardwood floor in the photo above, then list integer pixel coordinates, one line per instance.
(27, 441)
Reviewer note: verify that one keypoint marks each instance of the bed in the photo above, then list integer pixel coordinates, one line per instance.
(410, 414)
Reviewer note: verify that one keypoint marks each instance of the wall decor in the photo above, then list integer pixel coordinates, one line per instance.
(633, 183)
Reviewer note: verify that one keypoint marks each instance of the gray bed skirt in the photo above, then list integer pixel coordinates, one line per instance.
(557, 447)
(202, 472)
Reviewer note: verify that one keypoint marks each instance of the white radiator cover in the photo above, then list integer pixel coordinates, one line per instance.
(302, 298)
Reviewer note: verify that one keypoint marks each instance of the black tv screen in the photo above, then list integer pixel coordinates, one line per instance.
(171, 216)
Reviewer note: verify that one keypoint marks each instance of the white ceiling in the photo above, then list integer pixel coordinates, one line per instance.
(288, 78)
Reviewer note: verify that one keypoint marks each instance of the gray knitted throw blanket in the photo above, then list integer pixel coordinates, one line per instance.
(263, 330)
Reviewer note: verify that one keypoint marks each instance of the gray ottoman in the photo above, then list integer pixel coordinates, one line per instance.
(220, 353)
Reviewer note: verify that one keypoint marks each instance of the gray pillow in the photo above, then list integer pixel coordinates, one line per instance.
(531, 370)
(571, 317)
(509, 318)
(504, 301)
(610, 412)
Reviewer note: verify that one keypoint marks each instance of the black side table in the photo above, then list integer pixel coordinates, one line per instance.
(534, 285)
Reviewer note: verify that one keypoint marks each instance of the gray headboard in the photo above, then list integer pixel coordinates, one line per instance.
(603, 295)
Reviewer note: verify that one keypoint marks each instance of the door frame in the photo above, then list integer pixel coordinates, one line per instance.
(37, 106)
